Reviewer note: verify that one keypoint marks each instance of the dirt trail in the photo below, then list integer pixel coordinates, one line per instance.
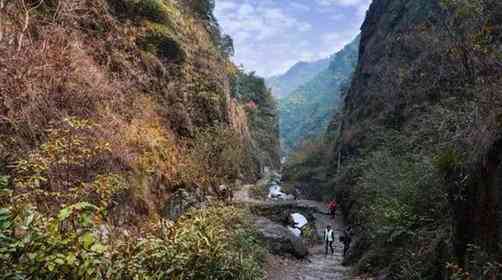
(317, 266)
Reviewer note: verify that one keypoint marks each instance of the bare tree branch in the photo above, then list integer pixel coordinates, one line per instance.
(27, 12)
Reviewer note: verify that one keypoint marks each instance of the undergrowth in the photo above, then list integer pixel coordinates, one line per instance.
(120, 101)
(306, 168)
(107, 108)
(212, 243)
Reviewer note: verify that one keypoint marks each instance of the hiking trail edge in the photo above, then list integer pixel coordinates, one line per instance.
(317, 266)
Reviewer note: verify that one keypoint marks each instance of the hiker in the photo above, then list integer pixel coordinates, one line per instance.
(329, 237)
(225, 193)
(332, 208)
(347, 239)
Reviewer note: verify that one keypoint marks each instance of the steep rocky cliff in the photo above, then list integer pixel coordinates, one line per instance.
(118, 128)
(120, 103)
(417, 148)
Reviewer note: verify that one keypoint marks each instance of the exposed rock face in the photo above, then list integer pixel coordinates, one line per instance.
(408, 81)
(238, 120)
(180, 202)
(390, 43)
(279, 239)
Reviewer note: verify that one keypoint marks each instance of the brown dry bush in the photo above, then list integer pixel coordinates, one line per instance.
(52, 91)
(80, 61)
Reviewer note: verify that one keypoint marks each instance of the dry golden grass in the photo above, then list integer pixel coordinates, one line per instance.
(82, 104)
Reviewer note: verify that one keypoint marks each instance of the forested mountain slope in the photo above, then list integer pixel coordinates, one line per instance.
(116, 117)
(307, 111)
(296, 76)
(417, 151)
(263, 117)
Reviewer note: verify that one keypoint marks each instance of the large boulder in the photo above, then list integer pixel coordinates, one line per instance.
(279, 239)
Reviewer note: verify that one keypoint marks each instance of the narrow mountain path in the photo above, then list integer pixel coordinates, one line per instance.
(317, 266)
(243, 195)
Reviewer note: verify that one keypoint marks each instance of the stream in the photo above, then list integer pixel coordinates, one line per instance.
(275, 193)
(299, 222)
(317, 266)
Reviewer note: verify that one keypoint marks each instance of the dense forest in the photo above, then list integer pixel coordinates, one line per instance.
(262, 114)
(306, 112)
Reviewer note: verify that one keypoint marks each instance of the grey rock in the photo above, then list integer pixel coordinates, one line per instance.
(180, 202)
(279, 239)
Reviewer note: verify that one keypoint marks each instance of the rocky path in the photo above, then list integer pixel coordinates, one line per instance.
(317, 266)
(242, 195)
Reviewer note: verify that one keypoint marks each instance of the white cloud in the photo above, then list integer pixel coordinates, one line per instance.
(336, 17)
(327, 3)
(225, 5)
(270, 35)
(262, 21)
(335, 41)
(300, 6)
(259, 28)
(304, 27)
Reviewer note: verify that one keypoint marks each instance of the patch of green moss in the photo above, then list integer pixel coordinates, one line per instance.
(448, 160)
(161, 41)
(154, 10)
(162, 29)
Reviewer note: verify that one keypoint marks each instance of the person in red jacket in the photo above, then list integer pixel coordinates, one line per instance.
(332, 208)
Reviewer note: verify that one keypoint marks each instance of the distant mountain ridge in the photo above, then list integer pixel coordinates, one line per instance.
(302, 72)
(307, 111)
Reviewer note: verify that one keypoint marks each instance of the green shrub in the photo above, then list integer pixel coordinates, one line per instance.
(448, 160)
(481, 265)
(216, 152)
(66, 246)
(228, 251)
(213, 243)
(398, 198)
(155, 10)
(5, 192)
(401, 192)
(160, 39)
(307, 167)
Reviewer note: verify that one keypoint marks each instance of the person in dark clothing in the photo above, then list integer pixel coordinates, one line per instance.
(329, 238)
(347, 239)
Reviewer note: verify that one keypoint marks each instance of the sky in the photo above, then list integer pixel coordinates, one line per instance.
(270, 36)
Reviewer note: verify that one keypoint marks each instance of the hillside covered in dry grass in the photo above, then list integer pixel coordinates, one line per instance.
(110, 111)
